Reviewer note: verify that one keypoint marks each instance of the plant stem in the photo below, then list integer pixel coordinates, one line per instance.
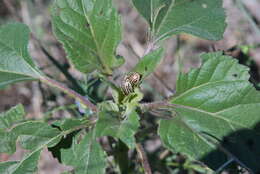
(70, 92)
(143, 158)
(156, 105)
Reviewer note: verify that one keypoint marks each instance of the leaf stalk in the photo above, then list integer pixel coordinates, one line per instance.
(70, 92)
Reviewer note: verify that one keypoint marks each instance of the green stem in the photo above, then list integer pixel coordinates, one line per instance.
(70, 92)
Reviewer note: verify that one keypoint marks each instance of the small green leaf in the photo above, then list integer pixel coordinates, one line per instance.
(28, 165)
(202, 18)
(86, 157)
(15, 63)
(12, 116)
(109, 125)
(215, 103)
(148, 63)
(89, 31)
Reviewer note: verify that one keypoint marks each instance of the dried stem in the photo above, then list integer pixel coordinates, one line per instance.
(143, 157)
(70, 92)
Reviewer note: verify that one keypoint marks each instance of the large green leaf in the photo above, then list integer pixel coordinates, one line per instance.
(215, 103)
(33, 134)
(202, 18)
(15, 63)
(66, 141)
(148, 63)
(28, 165)
(90, 31)
(34, 139)
(109, 125)
(86, 157)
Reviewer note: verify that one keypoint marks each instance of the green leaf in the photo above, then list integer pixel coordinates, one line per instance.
(86, 157)
(36, 139)
(89, 31)
(33, 134)
(109, 125)
(7, 119)
(202, 18)
(70, 123)
(215, 103)
(148, 63)
(12, 116)
(28, 165)
(15, 63)
(7, 143)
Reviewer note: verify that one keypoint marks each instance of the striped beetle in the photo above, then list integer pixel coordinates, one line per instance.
(130, 81)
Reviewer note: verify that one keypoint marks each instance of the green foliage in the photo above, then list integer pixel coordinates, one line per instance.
(28, 165)
(8, 119)
(89, 31)
(34, 136)
(216, 107)
(202, 18)
(148, 63)
(212, 103)
(11, 117)
(15, 63)
(109, 124)
(86, 157)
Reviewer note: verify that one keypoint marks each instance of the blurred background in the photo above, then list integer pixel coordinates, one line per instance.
(241, 40)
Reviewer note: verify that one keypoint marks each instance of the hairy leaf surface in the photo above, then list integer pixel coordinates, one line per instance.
(12, 116)
(8, 119)
(89, 31)
(202, 18)
(86, 156)
(28, 165)
(33, 136)
(148, 63)
(110, 125)
(215, 104)
(16, 64)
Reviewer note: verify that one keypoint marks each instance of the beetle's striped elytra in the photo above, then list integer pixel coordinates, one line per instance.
(130, 81)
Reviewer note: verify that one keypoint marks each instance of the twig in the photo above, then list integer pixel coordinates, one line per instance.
(70, 92)
(156, 105)
(143, 157)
